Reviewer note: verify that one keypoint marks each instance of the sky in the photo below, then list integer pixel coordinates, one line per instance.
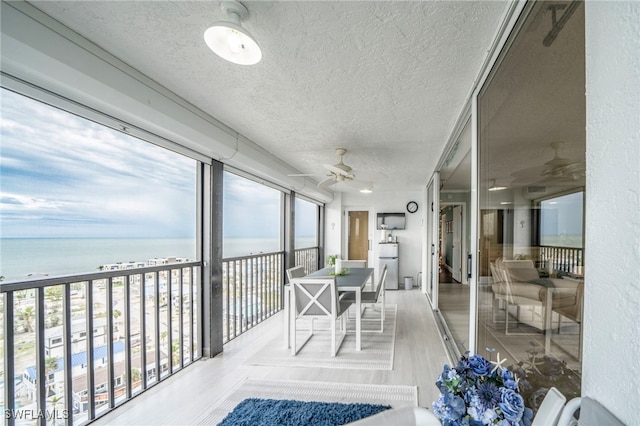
(561, 220)
(65, 176)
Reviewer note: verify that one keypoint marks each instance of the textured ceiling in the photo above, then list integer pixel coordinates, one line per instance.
(386, 80)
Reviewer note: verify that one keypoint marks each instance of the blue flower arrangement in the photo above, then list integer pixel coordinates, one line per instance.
(479, 392)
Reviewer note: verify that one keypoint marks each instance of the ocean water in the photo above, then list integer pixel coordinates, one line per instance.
(20, 257)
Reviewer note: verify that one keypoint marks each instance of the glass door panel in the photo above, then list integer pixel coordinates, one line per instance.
(531, 148)
(454, 200)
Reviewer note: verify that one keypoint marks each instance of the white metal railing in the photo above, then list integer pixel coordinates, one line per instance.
(564, 259)
(251, 291)
(75, 347)
(307, 258)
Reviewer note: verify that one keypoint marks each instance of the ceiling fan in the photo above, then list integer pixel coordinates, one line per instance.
(339, 173)
(558, 169)
(563, 167)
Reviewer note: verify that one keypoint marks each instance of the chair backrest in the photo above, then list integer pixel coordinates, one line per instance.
(340, 264)
(496, 274)
(380, 286)
(295, 272)
(549, 411)
(315, 296)
(501, 279)
(592, 413)
(520, 270)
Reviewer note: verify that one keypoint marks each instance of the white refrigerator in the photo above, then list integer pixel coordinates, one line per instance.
(388, 255)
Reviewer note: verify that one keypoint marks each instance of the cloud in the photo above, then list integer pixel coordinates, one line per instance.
(65, 176)
(62, 175)
(250, 209)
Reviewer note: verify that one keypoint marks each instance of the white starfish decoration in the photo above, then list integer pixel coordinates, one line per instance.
(498, 363)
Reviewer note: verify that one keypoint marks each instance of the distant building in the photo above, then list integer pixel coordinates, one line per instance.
(54, 342)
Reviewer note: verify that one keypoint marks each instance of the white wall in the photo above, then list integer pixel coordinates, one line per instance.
(410, 239)
(333, 226)
(611, 364)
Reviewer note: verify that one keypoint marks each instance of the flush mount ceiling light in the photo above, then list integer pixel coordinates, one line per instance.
(493, 186)
(229, 40)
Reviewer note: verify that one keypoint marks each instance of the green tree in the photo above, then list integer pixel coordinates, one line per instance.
(175, 350)
(135, 375)
(53, 294)
(116, 314)
(55, 400)
(27, 314)
(50, 367)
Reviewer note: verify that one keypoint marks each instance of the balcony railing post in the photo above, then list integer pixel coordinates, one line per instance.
(42, 379)
(156, 296)
(91, 388)
(169, 324)
(110, 360)
(9, 364)
(68, 373)
(127, 334)
(143, 333)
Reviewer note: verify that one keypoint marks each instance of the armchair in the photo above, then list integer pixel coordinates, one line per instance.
(516, 282)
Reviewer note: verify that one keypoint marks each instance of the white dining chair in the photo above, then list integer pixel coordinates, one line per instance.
(342, 264)
(295, 272)
(347, 264)
(376, 297)
(549, 411)
(314, 298)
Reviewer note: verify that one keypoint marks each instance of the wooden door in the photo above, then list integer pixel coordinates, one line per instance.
(358, 246)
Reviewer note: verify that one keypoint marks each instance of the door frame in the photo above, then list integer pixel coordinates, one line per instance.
(463, 229)
(344, 244)
(432, 246)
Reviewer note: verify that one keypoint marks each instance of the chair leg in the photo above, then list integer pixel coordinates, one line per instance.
(333, 337)
(293, 336)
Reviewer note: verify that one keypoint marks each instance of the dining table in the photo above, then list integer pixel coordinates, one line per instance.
(353, 280)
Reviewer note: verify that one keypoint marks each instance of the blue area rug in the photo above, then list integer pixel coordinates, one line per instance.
(272, 412)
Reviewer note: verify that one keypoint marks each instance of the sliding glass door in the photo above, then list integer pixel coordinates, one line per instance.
(531, 164)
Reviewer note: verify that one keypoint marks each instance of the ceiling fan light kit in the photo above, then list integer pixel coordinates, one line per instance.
(340, 176)
(339, 172)
(495, 187)
(229, 40)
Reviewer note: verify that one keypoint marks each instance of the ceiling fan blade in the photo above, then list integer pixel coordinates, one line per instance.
(369, 176)
(530, 172)
(327, 182)
(338, 171)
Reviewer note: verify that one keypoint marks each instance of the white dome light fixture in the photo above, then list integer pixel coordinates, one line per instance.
(229, 40)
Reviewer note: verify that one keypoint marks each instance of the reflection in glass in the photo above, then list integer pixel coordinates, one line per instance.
(532, 143)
